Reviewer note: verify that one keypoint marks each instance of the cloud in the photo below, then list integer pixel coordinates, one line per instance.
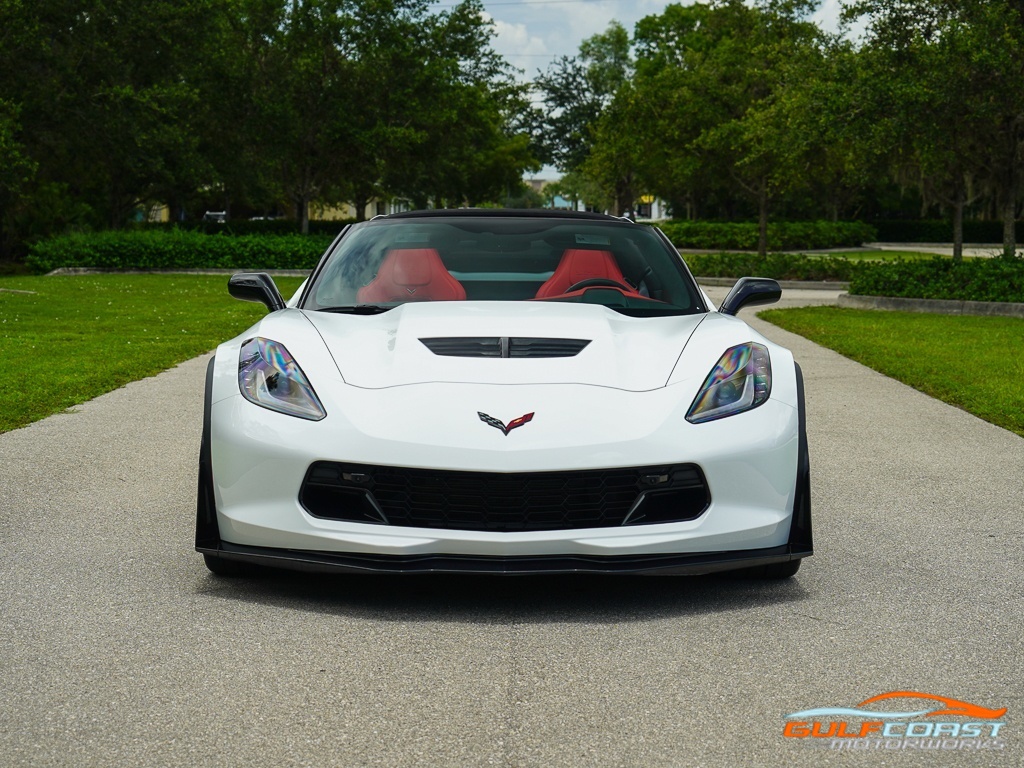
(521, 48)
(532, 34)
(827, 15)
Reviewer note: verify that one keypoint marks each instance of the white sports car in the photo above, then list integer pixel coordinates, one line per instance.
(503, 392)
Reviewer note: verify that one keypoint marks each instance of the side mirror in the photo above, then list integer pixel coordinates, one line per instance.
(750, 291)
(256, 286)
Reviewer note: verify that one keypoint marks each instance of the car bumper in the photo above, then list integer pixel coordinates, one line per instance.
(259, 459)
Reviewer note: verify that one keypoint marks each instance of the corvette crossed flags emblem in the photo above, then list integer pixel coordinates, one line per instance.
(505, 428)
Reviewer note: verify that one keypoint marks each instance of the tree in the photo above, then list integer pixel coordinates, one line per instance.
(717, 79)
(842, 134)
(16, 169)
(108, 89)
(463, 103)
(959, 63)
(613, 160)
(254, 101)
(108, 95)
(239, 116)
(300, 90)
(407, 104)
(577, 90)
(577, 188)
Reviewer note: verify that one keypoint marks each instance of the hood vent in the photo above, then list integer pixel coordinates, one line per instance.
(524, 347)
(465, 346)
(504, 346)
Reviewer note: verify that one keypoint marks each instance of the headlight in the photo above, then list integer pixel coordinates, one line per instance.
(269, 377)
(740, 380)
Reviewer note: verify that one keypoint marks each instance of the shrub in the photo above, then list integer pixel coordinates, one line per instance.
(779, 266)
(238, 227)
(177, 249)
(995, 279)
(782, 235)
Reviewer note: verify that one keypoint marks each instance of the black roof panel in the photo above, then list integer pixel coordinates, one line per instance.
(531, 213)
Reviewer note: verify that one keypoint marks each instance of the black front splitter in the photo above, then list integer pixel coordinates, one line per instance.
(328, 562)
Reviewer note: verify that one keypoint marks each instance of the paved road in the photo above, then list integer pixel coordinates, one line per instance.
(117, 648)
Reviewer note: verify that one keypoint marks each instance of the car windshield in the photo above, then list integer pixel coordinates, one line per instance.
(381, 264)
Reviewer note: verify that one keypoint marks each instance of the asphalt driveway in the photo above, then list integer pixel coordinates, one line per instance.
(118, 648)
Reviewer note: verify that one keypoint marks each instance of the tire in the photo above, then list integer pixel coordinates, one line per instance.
(227, 568)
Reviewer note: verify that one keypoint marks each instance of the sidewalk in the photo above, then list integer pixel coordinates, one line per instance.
(940, 249)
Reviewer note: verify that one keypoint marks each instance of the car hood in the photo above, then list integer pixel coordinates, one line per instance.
(385, 350)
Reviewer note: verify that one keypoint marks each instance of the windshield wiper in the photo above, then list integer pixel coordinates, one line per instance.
(359, 309)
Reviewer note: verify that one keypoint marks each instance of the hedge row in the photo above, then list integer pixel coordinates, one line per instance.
(995, 279)
(782, 236)
(177, 249)
(240, 227)
(941, 231)
(780, 266)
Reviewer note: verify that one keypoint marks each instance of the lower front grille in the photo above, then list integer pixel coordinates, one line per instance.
(504, 502)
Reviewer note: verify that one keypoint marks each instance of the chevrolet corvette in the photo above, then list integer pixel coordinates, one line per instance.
(513, 392)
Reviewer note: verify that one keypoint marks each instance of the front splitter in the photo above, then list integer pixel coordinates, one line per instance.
(334, 562)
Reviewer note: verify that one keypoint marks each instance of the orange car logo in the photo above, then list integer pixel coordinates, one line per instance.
(949, 706)
(864, 724)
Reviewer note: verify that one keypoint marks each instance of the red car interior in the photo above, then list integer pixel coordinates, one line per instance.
(411, 274)
(581, 264)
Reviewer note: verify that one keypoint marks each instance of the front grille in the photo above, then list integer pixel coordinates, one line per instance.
(503, 346)
(504, 502)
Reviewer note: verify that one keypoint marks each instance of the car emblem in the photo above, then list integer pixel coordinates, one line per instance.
(505, 429)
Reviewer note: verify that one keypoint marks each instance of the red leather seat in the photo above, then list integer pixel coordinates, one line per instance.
(581, 264)
(411, 274)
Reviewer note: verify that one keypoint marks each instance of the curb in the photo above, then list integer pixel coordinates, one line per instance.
(793, 285)
(905, 246)
(933, 306)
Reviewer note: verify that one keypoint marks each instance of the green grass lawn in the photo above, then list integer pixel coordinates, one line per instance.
(76, 337)
(970, 362)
